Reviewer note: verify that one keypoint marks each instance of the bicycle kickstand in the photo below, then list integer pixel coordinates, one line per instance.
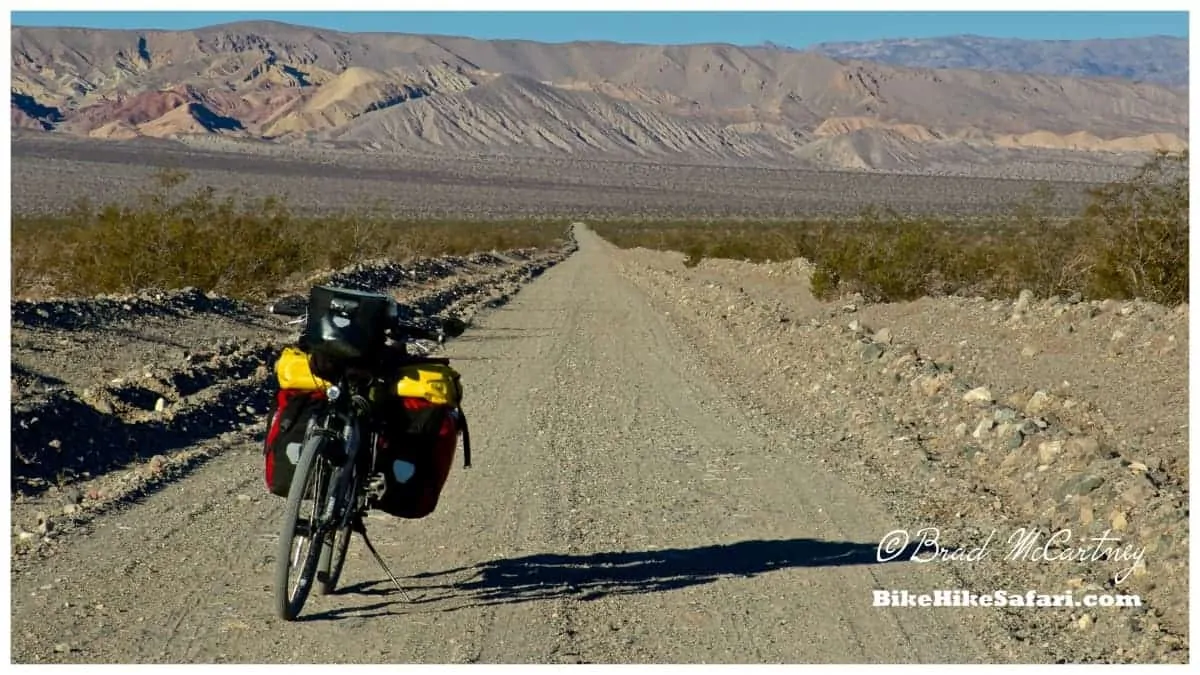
(361, 528)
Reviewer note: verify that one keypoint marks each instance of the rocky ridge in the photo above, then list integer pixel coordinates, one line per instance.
(83, 446)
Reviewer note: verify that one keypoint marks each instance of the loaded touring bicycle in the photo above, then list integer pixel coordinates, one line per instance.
(358, 423)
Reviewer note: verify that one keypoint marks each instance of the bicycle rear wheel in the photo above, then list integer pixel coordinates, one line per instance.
(333, 552)
(309, 484)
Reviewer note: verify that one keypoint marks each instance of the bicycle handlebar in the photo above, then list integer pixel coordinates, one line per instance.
(297, 306)
(404, 329)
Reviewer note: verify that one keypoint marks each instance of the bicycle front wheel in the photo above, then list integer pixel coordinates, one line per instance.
(301, 537)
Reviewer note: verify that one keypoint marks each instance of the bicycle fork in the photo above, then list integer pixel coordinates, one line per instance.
(344, 468)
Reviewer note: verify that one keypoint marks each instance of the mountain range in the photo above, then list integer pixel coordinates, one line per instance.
(378, 92)
(1160, 59)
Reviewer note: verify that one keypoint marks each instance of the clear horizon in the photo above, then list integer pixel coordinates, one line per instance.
(791, 29)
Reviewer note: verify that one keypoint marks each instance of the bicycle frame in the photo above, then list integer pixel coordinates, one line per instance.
(342, 422)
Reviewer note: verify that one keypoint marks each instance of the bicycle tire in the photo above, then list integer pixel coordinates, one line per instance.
(286, 606)
(333, 553)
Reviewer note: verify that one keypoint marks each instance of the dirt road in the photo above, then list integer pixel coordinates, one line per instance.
(622, 507)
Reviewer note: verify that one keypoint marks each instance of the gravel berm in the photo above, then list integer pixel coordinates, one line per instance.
(622, 506)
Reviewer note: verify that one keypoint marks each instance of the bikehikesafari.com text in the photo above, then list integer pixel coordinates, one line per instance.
(1000, 598)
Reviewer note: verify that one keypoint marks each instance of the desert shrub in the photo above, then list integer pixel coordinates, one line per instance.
(695, 252)
(824, 283)
(1136, 241)
(247, 248)
(1131, 241)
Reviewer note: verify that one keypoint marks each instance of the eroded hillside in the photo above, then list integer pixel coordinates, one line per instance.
(395, 92)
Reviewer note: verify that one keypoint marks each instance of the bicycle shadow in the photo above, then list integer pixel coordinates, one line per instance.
(380, 588)
(541, 577)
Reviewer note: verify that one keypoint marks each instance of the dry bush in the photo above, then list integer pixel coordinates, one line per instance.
(1131, 241)
(173, 238)
(1136, 240)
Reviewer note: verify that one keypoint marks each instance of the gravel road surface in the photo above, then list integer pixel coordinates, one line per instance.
(622, 507)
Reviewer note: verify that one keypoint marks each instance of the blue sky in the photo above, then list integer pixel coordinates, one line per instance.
(796, 29)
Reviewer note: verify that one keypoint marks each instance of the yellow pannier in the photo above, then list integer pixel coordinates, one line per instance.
(293, 372)
(434, 382)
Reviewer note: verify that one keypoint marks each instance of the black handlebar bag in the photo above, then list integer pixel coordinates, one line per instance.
(345, 328)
